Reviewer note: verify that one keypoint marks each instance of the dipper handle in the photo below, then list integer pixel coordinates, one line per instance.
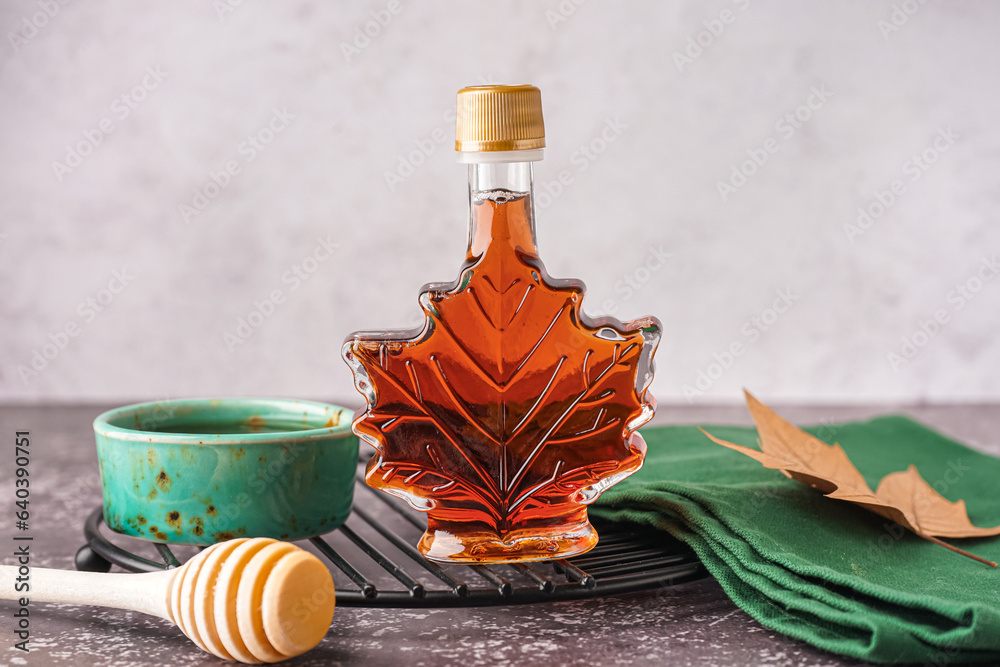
(136, 592)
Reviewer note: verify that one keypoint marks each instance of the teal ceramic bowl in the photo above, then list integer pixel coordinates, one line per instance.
(204, 471)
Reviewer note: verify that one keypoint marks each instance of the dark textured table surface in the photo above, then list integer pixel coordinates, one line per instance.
(694, 624)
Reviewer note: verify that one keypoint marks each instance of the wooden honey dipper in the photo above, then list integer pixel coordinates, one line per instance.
(248, 600)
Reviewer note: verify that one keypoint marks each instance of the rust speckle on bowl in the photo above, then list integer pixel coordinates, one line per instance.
(211, 511)
(174, 521)
(224, 535)
(141, 519)
(151, 457)
(257, 423)
(239, 453)
(155, 532)
(163, 481)
(199, 526)
(152, 494)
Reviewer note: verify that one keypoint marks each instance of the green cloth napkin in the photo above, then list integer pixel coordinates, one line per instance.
(825, 571)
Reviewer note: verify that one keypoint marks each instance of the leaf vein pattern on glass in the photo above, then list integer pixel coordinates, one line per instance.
(510, 410)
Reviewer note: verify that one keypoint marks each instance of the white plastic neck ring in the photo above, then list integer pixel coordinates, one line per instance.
(486, 157)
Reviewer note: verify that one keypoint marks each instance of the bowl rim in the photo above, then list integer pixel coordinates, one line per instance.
(104, 426)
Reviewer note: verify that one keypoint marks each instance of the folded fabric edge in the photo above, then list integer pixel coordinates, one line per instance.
(942, 606)
(843, 628)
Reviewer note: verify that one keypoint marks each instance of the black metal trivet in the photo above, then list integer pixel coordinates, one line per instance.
(626, 559)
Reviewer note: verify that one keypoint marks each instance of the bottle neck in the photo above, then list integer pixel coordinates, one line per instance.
(501, 207)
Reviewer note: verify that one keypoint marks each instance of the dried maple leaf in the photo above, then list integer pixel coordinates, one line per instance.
(509, 403)
(903, 497)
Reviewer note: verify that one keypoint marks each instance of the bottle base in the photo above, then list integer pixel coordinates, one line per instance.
(518, 546)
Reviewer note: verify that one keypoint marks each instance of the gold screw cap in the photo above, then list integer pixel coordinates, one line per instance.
(499, 118)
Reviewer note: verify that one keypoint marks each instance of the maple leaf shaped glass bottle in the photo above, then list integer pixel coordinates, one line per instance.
(509, 410)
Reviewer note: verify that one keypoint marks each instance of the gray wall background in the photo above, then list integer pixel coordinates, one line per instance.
(183, 85)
